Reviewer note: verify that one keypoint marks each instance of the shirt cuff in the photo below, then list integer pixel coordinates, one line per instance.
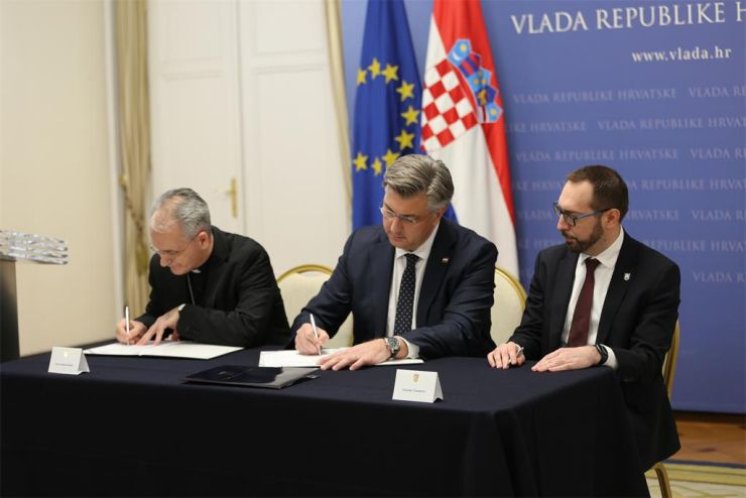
(413, 350)
(611, 361)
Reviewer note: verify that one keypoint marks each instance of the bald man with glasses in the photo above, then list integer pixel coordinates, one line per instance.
(603, 299)
(418, 285)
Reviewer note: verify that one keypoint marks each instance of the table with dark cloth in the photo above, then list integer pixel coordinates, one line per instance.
(132, 427)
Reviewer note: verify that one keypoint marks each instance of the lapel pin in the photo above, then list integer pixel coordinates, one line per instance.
(444, 260)
(626, 277)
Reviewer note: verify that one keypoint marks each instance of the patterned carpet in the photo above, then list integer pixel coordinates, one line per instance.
(697, 479)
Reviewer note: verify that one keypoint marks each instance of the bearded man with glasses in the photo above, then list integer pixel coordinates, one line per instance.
(418, 285)
(603, 298)
(206, 285)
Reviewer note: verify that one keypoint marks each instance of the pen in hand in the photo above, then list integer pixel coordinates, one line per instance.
(127, 323)
(315, 332)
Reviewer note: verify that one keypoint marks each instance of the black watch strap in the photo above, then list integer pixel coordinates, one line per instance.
(604, 354)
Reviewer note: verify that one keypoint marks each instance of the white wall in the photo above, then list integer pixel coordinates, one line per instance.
(55, 164)
(54, 169)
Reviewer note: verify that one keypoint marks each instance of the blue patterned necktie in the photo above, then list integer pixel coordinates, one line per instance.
(403, 321)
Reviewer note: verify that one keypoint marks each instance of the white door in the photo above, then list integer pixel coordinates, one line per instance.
(296, 200)
(242, 90)
(195, 109)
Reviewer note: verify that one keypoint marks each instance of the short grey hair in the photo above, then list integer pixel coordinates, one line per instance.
(412, 174)
(182, 206)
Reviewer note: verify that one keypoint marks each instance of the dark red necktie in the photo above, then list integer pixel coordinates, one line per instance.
(581, 319)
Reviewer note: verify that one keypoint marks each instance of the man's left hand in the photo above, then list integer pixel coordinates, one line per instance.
(156, 331)
(568, 359)
(367, 353)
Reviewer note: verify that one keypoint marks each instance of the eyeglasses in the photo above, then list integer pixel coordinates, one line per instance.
(173, 254)
(572, 219)
(405, 218)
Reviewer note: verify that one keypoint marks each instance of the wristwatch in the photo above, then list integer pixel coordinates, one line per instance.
(393, 344)
(604, 354)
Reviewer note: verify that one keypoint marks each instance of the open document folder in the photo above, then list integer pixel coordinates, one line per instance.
(292, 358)
(172, 349)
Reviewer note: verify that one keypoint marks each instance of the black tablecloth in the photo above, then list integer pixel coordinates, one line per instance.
(132, 427)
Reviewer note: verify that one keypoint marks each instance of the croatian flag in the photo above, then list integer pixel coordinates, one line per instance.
(464, 126)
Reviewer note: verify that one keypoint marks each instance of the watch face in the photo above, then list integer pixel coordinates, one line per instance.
(393, 345)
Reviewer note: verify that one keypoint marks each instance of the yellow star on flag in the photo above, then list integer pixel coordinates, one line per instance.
(410, 115)
(361, 76)
(390, 157)
(375, 68)
(360, 161)
(377, 166)
(390, 72)
(406, 90)
(405, 140)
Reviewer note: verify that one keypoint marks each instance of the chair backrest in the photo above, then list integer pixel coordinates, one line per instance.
(510, 300)
(669, 362)
(298, 285)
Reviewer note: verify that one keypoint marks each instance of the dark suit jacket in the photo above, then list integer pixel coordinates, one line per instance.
(453, 311)
(237, 299)
(637, 323)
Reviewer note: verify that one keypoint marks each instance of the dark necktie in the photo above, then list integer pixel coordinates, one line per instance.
(581, 319)
(403, 320)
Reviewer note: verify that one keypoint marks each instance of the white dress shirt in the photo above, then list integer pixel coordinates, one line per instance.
(400, 264)
(602, 278)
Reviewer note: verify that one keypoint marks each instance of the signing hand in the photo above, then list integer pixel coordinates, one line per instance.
(306, 341)
(506, 355)
(137, 329)
(568, 359)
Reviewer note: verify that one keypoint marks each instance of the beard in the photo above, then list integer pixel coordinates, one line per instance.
(577, 245)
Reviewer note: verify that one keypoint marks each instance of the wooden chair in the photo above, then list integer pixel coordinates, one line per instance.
(506, 312)
(669, 371)
(301, 283)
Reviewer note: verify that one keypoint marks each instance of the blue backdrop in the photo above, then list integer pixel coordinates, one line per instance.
(656, 90)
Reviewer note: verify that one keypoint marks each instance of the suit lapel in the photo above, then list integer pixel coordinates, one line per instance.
(380, 281)
(620, 281)
(436, 269)
(561, 297)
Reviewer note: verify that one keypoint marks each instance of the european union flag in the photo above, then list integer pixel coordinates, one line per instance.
(387, 106)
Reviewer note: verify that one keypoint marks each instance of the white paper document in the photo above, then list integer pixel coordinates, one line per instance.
(292, 358)
(173, 349)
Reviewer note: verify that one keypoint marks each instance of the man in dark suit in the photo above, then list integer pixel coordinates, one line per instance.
(417, 286)
(618, 309)
(206, 285)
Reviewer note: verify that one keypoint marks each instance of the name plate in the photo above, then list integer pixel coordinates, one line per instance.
(415, 385)
(70, 361)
